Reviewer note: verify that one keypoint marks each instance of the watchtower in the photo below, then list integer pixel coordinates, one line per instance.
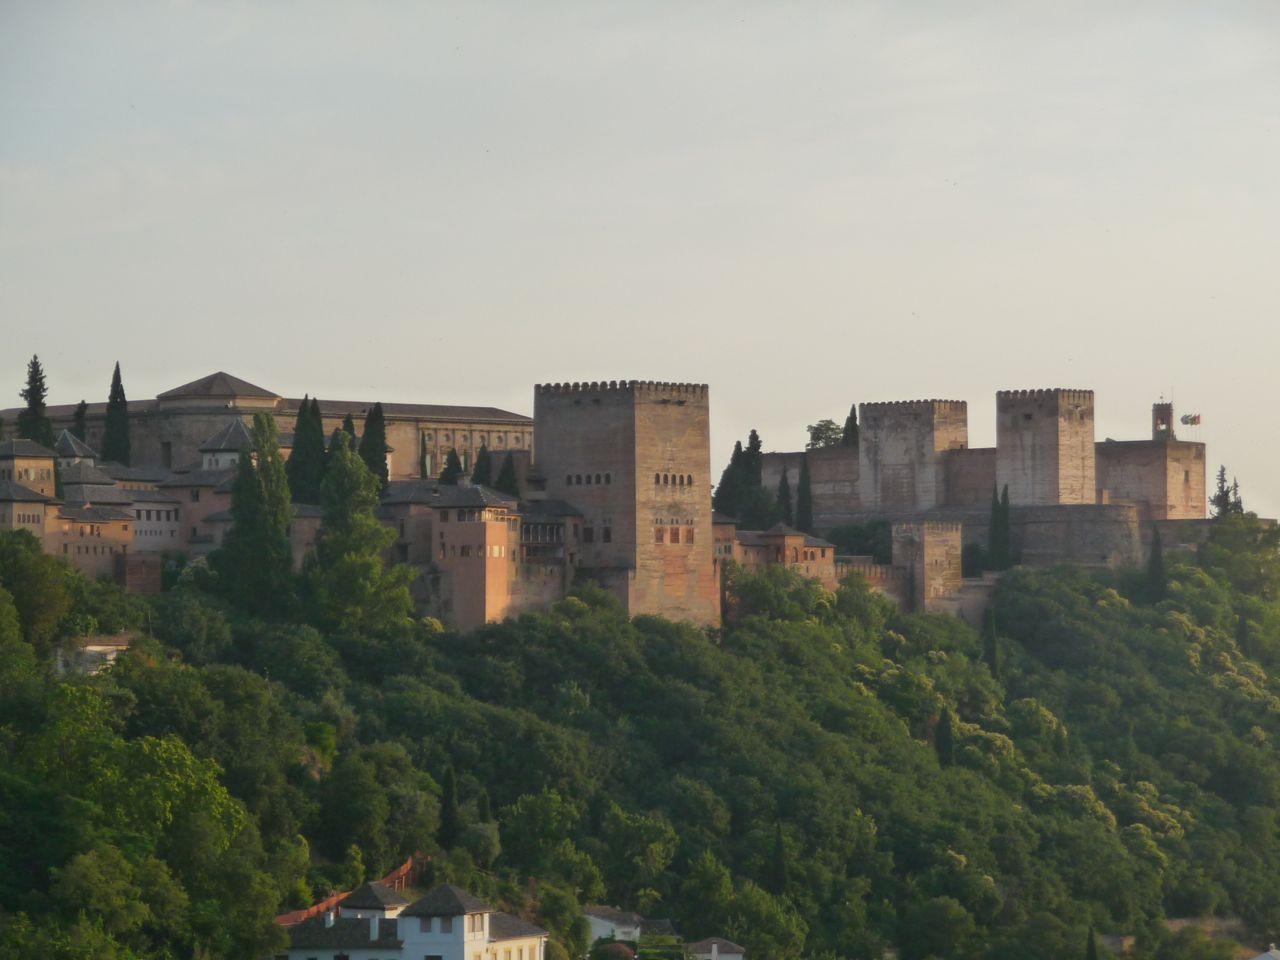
(1044, 446)
(1162, 421)
(901, 454)
(635, 457)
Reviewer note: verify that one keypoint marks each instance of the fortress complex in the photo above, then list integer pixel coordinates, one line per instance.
(1073, 498)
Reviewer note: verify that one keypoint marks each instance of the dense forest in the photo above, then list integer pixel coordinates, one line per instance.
(821, 777)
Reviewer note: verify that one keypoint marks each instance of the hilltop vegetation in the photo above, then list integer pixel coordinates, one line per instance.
(822, 777)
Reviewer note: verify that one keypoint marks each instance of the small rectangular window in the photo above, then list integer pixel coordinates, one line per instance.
(195, 496)
(675, 534)
(659, 534)
(588, 534)
(607, 534)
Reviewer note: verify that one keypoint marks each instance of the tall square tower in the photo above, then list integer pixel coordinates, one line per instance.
(1044, 446)
(635, 458)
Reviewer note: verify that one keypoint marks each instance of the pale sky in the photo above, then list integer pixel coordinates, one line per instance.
(802, 204)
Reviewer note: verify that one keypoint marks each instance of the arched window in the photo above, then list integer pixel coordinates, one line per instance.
(657, 479)
(665, 479)
(577, 479)
(795, 555)
(680, 480)
(597, 479)
(608, 478)
(691, 479)
(588, 479)
(568, 480)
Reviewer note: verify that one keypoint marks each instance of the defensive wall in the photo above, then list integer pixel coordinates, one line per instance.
(1045, 447)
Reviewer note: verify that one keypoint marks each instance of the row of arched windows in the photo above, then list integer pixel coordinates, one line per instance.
(673, 479)
(578, 479)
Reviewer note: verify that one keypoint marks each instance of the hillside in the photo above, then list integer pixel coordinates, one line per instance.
(821, 777)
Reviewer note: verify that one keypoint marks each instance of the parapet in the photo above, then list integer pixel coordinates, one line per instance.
(915, 406)
(623, 386)
(1059, 393)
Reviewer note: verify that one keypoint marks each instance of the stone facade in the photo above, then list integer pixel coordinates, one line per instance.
(1045, 447)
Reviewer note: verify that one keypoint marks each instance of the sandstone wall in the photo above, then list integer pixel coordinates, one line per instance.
(1045, 446)
(901, 444)
(971, 476)
(1105, 535)
(1168, 476)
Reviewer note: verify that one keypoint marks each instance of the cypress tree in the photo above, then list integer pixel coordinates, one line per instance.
(373, 445)
(115, 427)
(755, 461)
(349, 425)
(727, 498)
(484, 813)
(482, 475)
(1006, 528)
(995, 556)
(850, 437)
(452, 471)
(33, 422)
(1157, 579)
(255, 562)
(990, 648)
(79, 427)
(1, 428)
(944, 739)
(804, 499)
(507, 482)
(1237, 505)
(779, 874)
(450, 819)
(1091, 947)
(422, 460)
(306, 463)
(784, 499)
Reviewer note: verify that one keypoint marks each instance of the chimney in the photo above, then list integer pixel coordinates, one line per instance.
(329, 917)
(715, 950)
(373, 927)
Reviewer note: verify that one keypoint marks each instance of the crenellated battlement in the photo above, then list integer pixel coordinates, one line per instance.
(623, 386)
(916, 406)
(1061, 393)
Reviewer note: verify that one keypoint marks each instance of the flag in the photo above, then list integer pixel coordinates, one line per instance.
(1190, 419)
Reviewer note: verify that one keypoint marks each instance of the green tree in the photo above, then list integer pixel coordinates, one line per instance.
(422, 460)
(507, 482)
(1091, 946)
(824, 433)
(728, 495)
(350, 586)
(990, 644)
(849, 438)
(255, 562)
(482, 474)
(373, 445)
(1157, 578)
(450, 816)
(79, 427)
(944, 739)
(33, 422)
(306, 463)
(785, 513)
(779, 872)
(1220, 501)
(452, 471)
(38, 584)
(804, 499)
(349, 426)
(115, 426)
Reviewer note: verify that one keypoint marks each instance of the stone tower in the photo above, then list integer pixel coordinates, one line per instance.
(1044, 446)
(901, 451)
(1162, 421)
(635, 458)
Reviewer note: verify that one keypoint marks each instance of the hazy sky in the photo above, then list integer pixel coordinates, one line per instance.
(803, 204)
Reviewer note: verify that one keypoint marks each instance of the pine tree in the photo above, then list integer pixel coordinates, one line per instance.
(850, 437)
(785, 513)
(804, 499)
(990, 645)
(944, 739)
(1237, 505)
(1221, 499)
(306, 464)
(1157, 580)
(452, 471)
(350, 587)
(507, 482)
(482, 475)
(115, 427)
(33, 422)
(1091, 947)
(373, 445)
(779, 874)
(450, 819)
(79, 425)
(255, 562)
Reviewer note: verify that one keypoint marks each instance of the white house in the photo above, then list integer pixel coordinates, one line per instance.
(374, 923)
(715, 948)
(1271, 954)
(611, 923)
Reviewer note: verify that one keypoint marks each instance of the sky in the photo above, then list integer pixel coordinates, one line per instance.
(804, 205)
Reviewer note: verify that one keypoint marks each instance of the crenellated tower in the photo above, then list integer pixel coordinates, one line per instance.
(1045, 447)
(635, 457)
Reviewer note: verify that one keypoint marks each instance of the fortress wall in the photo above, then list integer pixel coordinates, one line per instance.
(771, 467)
(931, 551)
(971, 476)
(900, 464)
(1089, 534)
(1045, 446)
(1169, 475)
(833, 482)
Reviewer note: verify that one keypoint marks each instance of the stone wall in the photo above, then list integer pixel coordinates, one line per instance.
(1167, 476)
(1099, 535)
(901, 445)
(971, 476)
(931, 552)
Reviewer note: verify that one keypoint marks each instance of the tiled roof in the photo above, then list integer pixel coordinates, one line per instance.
(68, 444)
(118, 471)
(91, 514)
(80, 494)
(723, 518)
(421, 411)
(503, 926)
(85, 473)
(658, 927)
(152, 496)
(443, 495)
(11, 492)
(235, 436)
(446, 900)
(347, 933)
(548, 508)
(200, 478)
(724, 946)
(217, 385)
(612, 914)
(371, 896)
(21, 447)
